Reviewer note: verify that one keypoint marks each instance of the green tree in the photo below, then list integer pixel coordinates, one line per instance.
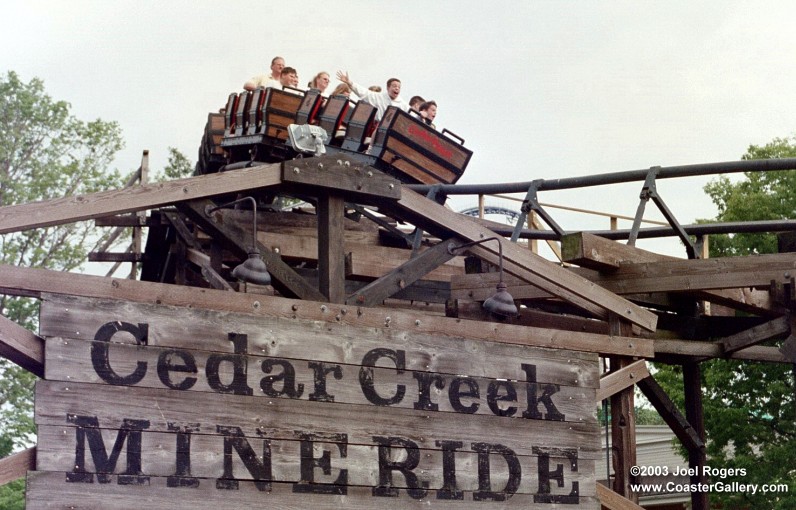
(45, 152)
(759, 196)
(177, 167)
(749, 408)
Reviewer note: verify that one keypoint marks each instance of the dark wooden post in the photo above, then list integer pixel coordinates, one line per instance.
(692, 386)
(331, 250)
(623, 422)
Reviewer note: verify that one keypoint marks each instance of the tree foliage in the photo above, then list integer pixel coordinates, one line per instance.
(759, 196)
(45, 153)
(749, 408)
(177, 167)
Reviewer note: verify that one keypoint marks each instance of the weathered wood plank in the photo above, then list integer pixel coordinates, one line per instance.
(697, 457)
(282, 417)
(601, 254)
(788, 347)
(159, 451)
(21, 346)
(342, 175)
(127, 220)
(701, 274)
(16, 280)
(767, 331)
(480, 287)
(83, 207)
(442, 222)
(177, 221)
(115, 257)
(265, 375)
(402, 276)
(296, 339)
(331, 255)
(623, 422)
(698, 349)
(211, 275)
(613, 501)
(623, 378)
(50, 492)
(229, 408)
(367, 260)
(670, 413)
(296, 221)
(474, 310)
(239, 240)
(16, 465)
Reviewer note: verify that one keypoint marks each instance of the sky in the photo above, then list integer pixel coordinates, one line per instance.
(537, 89)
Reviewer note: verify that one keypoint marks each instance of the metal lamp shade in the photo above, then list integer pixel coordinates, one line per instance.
(252, 270)
(501, 303)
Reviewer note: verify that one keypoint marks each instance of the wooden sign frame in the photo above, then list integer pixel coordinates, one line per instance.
(182, 407)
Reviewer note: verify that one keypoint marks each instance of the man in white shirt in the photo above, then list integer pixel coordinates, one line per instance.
(381, 100)
(268, 80)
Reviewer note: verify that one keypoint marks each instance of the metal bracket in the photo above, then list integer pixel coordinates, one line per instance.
(650, 191)
(646, 190)
(531, 203)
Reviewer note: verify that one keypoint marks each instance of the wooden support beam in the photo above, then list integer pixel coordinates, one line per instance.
(753, 336)
(697, 458)
(35, 282)
(623, 421)
(701, 274)
(670, 413)
(644, 290)
(331, 255)
(214, 279)
(422, 290)
(435, 218)
(21, 346)
(481, 286)
(788, 347)
(601, 254)
(287, 281)
(14, 218)
(181, 228)
(669, 348)
(474, 310)
(342, 176)
(368, 260)
(211, 275)
(298, 223)
(138, 234)
(107, 256)
(744, 299)
(613, 501)
(621, 379)
(403, 275)
(17, 465)
(126, 220)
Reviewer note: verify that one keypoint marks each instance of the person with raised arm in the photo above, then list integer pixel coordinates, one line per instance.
(381, 100)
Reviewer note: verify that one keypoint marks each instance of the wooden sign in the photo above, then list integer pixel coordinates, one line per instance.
(148, 406)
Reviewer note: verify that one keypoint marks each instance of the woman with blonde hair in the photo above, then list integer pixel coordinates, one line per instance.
(320, 81)
(341, 90)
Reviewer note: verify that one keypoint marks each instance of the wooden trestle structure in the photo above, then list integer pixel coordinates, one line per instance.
(342, 264)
